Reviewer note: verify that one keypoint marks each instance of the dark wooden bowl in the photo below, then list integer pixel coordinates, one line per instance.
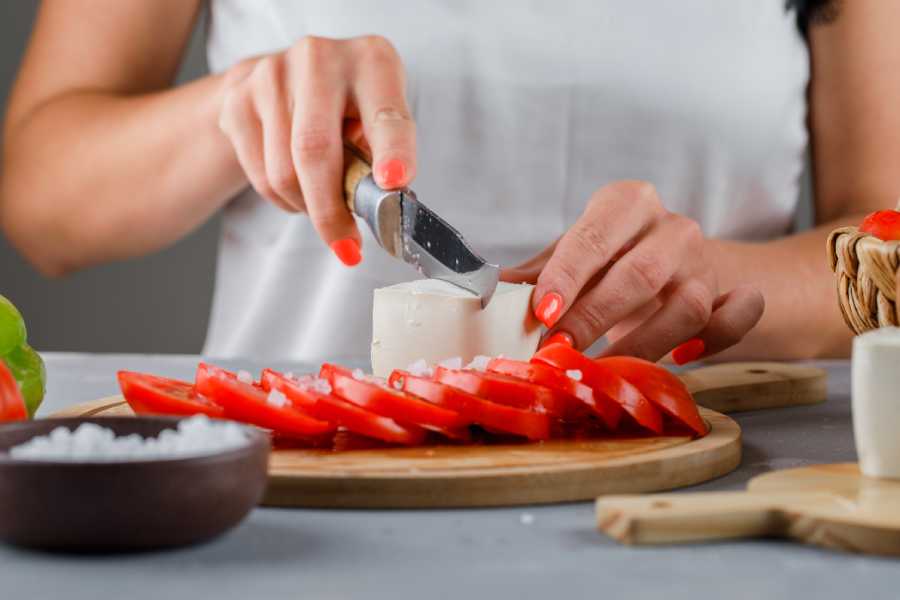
(136, 505)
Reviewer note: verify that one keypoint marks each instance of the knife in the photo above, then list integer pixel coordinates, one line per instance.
(410, 231)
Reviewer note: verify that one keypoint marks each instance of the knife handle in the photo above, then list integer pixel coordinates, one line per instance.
(355, 168)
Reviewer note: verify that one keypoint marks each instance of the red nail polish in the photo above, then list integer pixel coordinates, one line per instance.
(549, 309)
(689, 351)
(393, 173)
(347, 250)
(560, 337)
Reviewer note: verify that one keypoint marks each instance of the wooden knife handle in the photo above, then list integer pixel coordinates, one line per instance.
(736, 387)
(679, 518)
(355, 168)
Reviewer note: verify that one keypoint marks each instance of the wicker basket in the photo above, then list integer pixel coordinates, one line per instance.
(866, 269)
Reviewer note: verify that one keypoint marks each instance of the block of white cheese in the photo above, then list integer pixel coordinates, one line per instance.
(876, 401)
(434, 320)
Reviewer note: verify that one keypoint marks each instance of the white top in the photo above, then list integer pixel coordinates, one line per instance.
(523, 110)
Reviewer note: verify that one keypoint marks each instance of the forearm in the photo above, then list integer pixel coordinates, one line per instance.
(89, 177)
(802, 318)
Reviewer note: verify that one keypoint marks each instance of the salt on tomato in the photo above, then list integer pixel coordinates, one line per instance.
(375, 395)
(610, 412)
(249, 403)
(474, 410)
(603, 380)
(303, 394)
(660, 387)
(153, 395)
(12, 404)
(511, 391)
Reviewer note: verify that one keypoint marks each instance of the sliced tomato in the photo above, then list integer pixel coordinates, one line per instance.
(660, 387)
(152, 395)
(249, 403)
(12, 404)
(512, 391)
(375, 395)
(205, 371)
(473, 409)
(883, 224)
(610, 412)
(328, 407)
(604, 381)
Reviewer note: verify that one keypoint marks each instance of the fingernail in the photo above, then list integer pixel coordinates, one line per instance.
(393, 173)
(560, 337)
(347, 250)
(549, 309)
(689, 351)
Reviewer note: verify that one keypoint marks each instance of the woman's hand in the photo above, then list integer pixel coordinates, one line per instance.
(287, 116)
(629, 262)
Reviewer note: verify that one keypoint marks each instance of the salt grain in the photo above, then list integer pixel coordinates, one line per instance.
(358, 374)
(479, 363)
(452, 363)
(276, 399)
(195, 436)
(574, 374)
(245, 376)
(420, 369)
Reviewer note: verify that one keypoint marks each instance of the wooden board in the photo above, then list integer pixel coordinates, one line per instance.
(513, 474)
(832, 506)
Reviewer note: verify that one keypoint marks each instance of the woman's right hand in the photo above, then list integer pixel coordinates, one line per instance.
(288, 114)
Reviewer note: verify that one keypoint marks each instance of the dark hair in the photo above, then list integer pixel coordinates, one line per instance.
(813, 11)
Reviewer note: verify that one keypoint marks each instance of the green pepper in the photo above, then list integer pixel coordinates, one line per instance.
(25, 364)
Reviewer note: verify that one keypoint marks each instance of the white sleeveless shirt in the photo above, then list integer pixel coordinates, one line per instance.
(523, 110)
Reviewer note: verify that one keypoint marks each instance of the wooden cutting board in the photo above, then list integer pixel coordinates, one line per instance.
(833, 506)
(515, 474)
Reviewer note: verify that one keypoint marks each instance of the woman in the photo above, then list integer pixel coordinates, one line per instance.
(653, 149)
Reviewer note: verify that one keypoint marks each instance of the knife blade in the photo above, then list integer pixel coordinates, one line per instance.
(413, 233)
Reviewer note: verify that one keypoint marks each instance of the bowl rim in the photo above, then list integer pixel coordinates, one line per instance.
(257, 440)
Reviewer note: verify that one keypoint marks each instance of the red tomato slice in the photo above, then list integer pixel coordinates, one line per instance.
(512, 391)
(249, 403)
(346, 414)
(541, 374)
(375, 395)
(152, 395)
(206, 371)
(12, 404)
(883, 224)
(604, 381)
(660, 387)
(473, 409)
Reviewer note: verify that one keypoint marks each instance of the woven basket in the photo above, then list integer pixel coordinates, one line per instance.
(866, 270)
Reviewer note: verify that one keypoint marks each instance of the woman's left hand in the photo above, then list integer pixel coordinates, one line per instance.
(628, 261)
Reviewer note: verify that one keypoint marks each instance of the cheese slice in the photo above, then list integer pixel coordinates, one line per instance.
(434, 320)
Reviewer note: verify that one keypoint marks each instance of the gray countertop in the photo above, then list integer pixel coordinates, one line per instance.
(462, 553)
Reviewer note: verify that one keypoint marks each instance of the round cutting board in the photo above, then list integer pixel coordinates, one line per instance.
(832, 505)
(492, 475)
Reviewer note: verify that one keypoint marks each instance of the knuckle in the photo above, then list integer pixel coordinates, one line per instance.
(312, 48)
(562, 277)
(590, 241)
(695, 303)
(283, 179)
(593, 316)
(311, 145)
(376, 46)
(689, 230)
(647, 273)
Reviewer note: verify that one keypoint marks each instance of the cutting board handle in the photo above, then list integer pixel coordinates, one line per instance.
(736, 387)
(706, 516)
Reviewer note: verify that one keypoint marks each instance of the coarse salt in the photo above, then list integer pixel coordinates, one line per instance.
(245, 376)
(452, 363)
(420, 368)
(479, 363)
(358, 374)
(276, 399)
(574, 374)
(196, 436)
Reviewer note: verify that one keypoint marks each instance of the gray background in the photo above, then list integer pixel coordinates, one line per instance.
(159, 303)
